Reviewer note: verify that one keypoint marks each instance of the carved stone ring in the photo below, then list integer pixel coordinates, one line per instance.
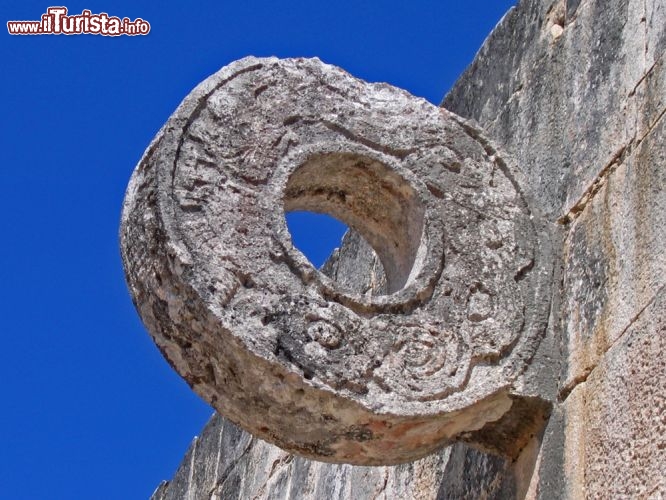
(293, 356)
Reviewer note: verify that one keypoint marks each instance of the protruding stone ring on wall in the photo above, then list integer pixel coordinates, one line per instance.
(289, 354)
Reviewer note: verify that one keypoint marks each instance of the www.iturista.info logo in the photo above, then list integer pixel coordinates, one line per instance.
(56, 22)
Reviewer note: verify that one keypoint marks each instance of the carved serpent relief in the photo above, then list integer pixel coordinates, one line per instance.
(278, 347)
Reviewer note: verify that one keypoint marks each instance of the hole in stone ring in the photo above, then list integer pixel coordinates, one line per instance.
(317, 236)
(369, 197)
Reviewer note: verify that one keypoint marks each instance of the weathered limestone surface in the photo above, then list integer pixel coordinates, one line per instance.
(265, 471)
(295, 357)
(226, 462)
(564, 101)
(575, 91)
(615, 263)
(616, 419)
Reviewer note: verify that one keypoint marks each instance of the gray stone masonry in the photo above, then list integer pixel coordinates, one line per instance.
(575, 92)
(287, 353)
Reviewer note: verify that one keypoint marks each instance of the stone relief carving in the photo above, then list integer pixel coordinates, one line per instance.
(293, 356)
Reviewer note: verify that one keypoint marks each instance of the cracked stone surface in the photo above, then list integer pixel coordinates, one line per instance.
(583, 113)
(225, 462)
(293, 356)
(574, 89)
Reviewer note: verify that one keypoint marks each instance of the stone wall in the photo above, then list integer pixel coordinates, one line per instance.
(576, 92)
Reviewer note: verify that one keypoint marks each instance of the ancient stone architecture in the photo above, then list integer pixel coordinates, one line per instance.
(553, 309)
(289, 354)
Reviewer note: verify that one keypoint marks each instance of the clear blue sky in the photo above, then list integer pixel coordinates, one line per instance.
(89, 407)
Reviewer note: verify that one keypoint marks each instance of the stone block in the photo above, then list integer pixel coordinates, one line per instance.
(560, 104)
(616, 420)
(614, 258)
